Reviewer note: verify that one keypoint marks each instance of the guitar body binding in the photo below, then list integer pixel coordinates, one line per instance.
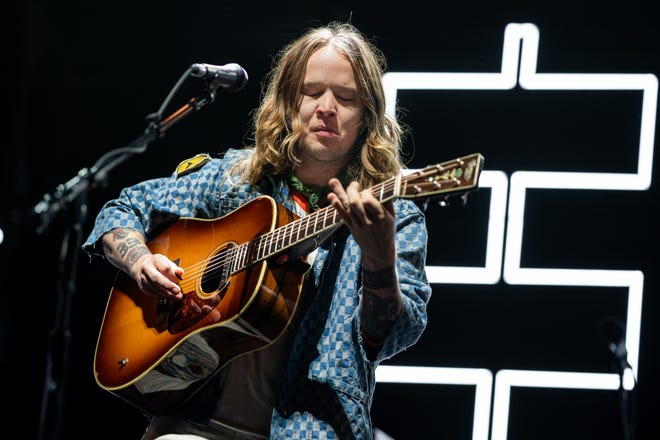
(157, 354)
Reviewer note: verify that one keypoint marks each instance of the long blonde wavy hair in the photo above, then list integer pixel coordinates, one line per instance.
(276, 123)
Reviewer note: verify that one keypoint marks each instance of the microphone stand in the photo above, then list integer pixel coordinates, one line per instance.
(613, 335)
(626, 397)
(72, 196)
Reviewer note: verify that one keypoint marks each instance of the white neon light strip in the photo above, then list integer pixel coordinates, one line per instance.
(491, 272)
(506, 379)
(640, 181)
(526, 35)
(481, 378)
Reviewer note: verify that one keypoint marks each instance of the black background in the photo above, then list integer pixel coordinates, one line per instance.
(80, 78)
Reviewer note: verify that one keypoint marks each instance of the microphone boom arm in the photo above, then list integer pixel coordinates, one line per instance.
(72, 196)
(86, 179)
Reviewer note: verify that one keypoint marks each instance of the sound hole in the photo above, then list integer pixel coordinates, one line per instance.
(216, 274)
(195, 306)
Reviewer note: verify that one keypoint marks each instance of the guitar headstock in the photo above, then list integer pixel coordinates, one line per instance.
(457, 176)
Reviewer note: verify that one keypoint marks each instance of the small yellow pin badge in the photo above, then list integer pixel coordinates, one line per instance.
(194, 163)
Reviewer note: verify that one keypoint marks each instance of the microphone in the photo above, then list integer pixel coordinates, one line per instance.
(230, 77)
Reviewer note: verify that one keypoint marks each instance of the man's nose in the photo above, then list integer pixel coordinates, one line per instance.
(327, 103)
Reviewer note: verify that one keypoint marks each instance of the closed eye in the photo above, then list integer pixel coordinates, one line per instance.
(340, 93)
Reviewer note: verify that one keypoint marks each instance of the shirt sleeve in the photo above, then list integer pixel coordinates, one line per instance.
(411, 247)
(148, 206)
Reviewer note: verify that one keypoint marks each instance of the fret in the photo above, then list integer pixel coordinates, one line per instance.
(325, 217)
(245, 257)
(320, 221)
(259, 247)
(404, 190)
(291, 234)
(274, 241)
(230, 254)
(240, 261)
(309, 229)
(284, 237)
(236, 258)
(397, 186)
(278, 238)
(251, 252)
(298, 227)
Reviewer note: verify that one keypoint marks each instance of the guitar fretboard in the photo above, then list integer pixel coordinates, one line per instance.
(446, 178)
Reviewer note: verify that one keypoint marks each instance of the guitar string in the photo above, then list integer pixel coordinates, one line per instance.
(267, 241)
(285, 233)
(222, 258)
(261, 245)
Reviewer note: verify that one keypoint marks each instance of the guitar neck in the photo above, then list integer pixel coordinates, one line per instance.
(448, 178)
(298, 231)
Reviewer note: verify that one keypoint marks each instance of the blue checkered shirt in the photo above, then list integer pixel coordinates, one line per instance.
(329, 384)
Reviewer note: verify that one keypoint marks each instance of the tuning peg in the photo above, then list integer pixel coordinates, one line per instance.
(464, 199)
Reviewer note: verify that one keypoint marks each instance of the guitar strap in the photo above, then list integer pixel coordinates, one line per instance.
(298, 393)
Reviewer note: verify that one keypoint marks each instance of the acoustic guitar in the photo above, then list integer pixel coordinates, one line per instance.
(242, 281)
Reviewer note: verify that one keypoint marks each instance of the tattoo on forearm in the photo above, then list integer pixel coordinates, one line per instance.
(134, 255)
(379, 279)
(379, 313)
(119, 233)
(129, 249)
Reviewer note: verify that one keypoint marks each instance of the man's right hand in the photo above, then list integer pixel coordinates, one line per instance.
(155, 274)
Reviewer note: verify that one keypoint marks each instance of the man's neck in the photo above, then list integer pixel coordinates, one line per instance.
(317, 175)
(313, 171)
